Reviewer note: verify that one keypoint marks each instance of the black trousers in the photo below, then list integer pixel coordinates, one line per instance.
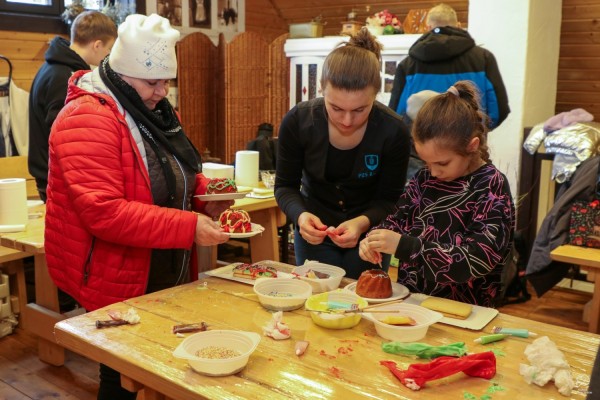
(110, 386)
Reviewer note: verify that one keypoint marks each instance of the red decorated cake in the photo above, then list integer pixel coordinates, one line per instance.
(221, 186)
(374, 284)
(235, 221)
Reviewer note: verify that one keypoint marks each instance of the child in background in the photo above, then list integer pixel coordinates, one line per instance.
(453, 226)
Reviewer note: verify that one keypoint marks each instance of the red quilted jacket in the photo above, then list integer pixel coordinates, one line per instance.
(101, 225)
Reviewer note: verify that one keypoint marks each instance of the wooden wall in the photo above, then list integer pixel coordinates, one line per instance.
(579, 61)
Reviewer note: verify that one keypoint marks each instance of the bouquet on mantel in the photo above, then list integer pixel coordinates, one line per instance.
(384, 23)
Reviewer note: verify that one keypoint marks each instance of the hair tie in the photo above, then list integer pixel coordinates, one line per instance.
(452, 89)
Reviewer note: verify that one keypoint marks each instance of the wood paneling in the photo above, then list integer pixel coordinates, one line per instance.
(579, 60)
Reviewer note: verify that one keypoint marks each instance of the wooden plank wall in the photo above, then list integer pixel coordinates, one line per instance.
(579, 61)
(26, 53)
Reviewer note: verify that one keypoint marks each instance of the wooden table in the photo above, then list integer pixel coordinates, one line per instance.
(265, 246)
(338, 364)
(588, 259)
(45, 312)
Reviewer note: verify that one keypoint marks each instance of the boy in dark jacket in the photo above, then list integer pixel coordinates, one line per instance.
(92, 37)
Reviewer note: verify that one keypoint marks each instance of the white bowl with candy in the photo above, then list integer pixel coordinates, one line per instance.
(218, 352)
(404, 322)
(282, 294)
(322, 277)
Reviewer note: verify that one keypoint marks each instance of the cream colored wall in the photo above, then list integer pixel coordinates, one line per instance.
(524, 36)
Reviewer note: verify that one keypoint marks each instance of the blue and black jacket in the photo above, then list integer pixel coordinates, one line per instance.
(442, 57)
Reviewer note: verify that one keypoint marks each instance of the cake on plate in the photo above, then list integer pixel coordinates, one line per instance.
(221, 186)
(235, 221)
(374, 284)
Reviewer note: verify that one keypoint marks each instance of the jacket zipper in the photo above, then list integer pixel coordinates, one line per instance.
(88, 262)
(185, 252)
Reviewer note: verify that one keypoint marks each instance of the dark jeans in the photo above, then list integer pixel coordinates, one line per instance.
(328, 253)
(110, 386)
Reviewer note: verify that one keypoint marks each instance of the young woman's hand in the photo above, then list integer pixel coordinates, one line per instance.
(347, 233)
(208, 233)
(311, 228)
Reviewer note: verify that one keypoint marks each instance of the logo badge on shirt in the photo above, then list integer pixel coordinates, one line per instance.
(372, 161)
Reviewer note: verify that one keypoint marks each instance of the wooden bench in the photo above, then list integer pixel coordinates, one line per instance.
(16, 167)
(587, 259)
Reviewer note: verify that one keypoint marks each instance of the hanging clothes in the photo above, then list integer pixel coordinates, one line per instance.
(6, 145)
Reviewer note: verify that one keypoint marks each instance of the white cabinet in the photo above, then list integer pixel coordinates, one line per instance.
(307, 56)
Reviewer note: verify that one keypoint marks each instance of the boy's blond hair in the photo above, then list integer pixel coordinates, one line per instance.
(441, 15)
(90, 26)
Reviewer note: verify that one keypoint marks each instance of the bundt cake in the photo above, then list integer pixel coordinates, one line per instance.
(374, 284)
(235, 221)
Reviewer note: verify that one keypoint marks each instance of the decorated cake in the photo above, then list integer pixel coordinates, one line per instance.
(235, 221)
(254, 271)
(221, 186)
(374, 284)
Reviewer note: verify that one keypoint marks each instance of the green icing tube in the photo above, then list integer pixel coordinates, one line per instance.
(490, 338)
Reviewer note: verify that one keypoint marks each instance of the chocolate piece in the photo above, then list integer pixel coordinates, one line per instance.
(199, 327)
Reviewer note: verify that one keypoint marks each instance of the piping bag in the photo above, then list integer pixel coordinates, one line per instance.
(480, 365)
(423, 350)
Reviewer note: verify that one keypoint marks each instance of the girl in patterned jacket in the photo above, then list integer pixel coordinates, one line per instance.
(453, 226)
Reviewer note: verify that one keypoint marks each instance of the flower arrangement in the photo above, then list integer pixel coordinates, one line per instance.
(384, 22)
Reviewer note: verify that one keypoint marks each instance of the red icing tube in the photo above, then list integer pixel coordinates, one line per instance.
(480, 365)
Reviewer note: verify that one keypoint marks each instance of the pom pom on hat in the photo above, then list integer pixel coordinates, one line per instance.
(416, 101)
(145, 48)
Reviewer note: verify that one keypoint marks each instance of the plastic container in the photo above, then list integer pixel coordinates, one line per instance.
(243, 342)
(322, 302)
(282, 294)
(321, 285)
(404, 333)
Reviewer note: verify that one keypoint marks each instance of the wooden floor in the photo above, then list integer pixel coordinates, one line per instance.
(23, 376)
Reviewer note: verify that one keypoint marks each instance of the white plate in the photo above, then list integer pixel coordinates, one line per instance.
(256, 229)
(226, 272)
(398, 291)
(221, 196)
(479, 318)
(260, 196)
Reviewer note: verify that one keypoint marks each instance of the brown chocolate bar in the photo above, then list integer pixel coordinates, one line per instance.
(202, 326)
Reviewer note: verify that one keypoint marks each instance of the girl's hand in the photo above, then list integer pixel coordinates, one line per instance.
(311, 228)
(208, 233)
(383, 241)
(367, 254)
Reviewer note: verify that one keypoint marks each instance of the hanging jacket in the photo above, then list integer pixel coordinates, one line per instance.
(47, 98)
(440, 58)
(101, 224)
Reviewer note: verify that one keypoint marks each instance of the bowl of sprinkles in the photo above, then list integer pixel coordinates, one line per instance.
(282, 294)
(218, 352)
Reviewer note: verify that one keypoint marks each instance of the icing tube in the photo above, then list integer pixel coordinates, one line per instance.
(490, 338)
(524, 333)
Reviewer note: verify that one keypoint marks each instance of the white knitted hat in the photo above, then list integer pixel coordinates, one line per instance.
(145, 48)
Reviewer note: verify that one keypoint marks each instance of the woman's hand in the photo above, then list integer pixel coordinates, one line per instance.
(208, 233)
(347, 233)
(214, 208)
(311, 228)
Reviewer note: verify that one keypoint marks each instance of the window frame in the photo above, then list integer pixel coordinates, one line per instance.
(37, 18)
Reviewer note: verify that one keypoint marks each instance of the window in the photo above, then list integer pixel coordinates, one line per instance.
(44, 15)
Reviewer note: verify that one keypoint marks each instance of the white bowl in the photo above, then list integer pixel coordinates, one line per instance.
(321, 285)
(404, 333)
(243, 342)
(282, 294)
(321, 302)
